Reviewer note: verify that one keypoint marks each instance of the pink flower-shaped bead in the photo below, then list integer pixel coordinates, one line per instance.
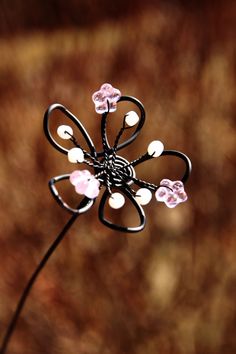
(171, 193)
(106, 93)
(85, 183)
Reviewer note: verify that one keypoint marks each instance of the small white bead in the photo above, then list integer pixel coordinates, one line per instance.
(64, 131)
(131, 118)
(155, 148)
(143, 196)
(75, 155)
(116, 200)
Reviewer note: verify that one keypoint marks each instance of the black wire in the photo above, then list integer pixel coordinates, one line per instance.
(25, 294)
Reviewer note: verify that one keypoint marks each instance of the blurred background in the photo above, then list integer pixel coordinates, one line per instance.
(170, 288)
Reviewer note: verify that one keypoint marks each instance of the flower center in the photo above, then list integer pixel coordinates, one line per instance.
(119, 170)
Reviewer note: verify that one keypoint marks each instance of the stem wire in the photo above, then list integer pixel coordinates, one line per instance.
(33, 278)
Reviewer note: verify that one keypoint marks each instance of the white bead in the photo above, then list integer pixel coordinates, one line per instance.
(131, 118)
(116, 200)
(155, 148)
(143, 196)
(75, 155)
(64, 131)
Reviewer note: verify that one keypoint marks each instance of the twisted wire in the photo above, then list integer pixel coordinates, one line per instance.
(86, 153)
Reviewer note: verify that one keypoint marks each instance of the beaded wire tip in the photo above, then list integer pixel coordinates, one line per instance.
(111, 171)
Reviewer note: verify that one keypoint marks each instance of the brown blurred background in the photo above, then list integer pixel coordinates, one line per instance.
(171, 288)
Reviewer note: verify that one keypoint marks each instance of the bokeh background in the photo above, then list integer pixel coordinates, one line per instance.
(170, 288)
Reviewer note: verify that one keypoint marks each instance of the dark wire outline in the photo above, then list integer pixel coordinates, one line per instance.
(86, 203)
(107, 153)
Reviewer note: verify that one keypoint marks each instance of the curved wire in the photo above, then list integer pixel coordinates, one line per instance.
(87, 203)
(33, 278)
(182, 156)
(102, 167)
(142, 217)
(108, 148)
(75, 120)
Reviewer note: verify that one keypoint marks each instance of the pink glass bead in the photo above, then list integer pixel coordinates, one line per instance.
(85, 183)
(78, 176)
(177, 185)
(101, 108)
(161, 194)
(92, 189)
(166, 182)
(106, 93)
(172, 200)
(171, 193)
(182, 196)
(81, 186)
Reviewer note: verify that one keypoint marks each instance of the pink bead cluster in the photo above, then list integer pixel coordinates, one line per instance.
(85, 183)
(106, 93)
(171, 193)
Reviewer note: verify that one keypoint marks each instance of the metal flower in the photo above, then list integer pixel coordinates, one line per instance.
(111, 171)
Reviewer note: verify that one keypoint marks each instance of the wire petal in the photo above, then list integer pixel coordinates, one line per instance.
(134, 135)
(74, 119)
(60, 201)
(182, 156)
(141, 214)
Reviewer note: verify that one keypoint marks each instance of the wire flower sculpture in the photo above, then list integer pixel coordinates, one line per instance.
(111, 172)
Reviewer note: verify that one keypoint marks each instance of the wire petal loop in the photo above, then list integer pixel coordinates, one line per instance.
(86, 202)
(185, 158)
(141, 214)
(134, 135)
(74, 119)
